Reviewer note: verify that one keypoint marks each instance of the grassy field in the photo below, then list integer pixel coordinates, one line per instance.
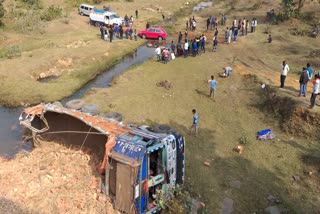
(67, 47)
(264, 168)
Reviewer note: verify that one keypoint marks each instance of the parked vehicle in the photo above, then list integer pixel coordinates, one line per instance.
(153, 32)
(106, 18)
(85, 9)
(136, 161)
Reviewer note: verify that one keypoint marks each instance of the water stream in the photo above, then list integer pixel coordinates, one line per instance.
(10, 130)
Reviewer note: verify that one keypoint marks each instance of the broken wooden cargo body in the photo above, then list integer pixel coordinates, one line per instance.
(135, 161)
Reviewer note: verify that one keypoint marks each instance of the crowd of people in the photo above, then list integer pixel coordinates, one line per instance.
(119, 31)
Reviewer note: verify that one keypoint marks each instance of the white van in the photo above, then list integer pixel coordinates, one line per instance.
(85, 9)
(107, 18)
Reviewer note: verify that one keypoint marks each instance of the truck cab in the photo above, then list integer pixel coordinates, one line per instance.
(140, 163)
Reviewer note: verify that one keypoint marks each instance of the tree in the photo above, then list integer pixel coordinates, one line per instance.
(288, 8)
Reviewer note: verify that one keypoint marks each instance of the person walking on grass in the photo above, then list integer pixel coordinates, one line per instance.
(284, 72)
(195, 123)
(213, 84)
(304, 78)
(137, 14)
(214, 44)
(315, 91)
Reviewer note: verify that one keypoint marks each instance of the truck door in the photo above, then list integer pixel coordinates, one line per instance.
(171, 159)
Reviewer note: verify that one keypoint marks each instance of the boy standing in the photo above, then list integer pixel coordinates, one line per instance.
(213, 84)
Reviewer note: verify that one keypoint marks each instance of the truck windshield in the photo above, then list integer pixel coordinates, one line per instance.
(113, 16)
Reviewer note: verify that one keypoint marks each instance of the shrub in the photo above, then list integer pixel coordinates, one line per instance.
(51, 13)
(29, 22)
(13, 51)
(36, 4)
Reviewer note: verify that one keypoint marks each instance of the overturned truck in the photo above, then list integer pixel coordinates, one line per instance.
(136, 162)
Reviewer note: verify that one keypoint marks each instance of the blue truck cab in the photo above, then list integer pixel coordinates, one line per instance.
(140, 163)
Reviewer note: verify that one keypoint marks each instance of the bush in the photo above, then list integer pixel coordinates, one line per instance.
(13, 51)
(36, 4)
(51, 13)
(30, 21)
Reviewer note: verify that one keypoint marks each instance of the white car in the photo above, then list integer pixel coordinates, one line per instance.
(85, 9)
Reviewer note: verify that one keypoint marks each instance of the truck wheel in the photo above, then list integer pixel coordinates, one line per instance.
(162, 128)
(97, 24)
(91, 109)
(160, 38)
(144, 36)
(81, 13)
(75, 104)
(113, 116)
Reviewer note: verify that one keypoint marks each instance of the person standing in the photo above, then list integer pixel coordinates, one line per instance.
(147, 26)
(135, 35)
(315, 91)
(180, 37)
(213, 84)
(137, 14)
(158, 52)
(173, 46)
(111, 33)
(195, 123)
(269, 38)
(226, 35)
(185, 48)
(208, 23)
(214, 44)
(304, 78)
(102, 32)
(284, 71)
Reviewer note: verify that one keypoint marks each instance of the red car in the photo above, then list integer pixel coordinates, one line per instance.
(153, 32)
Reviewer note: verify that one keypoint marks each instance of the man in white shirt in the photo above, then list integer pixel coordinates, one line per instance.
(284, 71)
(185, 48)
(315, 90)
(158, 52)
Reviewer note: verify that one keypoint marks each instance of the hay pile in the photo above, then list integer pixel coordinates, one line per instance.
(52, 179)
(165, 84)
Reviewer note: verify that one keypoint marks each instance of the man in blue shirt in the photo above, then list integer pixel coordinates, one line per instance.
(194, 123)
(213, 84)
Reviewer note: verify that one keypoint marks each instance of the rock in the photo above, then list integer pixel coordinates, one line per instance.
(240, 149)
(227, 206)
(273, 199)
(235, 184)
(296, 178)
(206, 163)
(42, 75)
(202, 204)
(272, 210)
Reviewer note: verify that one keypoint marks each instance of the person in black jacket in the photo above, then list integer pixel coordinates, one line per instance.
(111, 33)
(304, 78)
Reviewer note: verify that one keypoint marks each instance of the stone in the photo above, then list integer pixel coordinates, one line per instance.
(42, 75)
(296, 178)
(273, 199)
(227, 206)
(206, 163)
(272, 210)
(235, 184)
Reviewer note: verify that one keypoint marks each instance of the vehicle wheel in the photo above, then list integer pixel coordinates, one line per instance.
(81, 13)
(91, 109)
(58, 104)
(144, 36)
(113, 116)
(97, 24)
(75, 104)
(160, 38)
(162, 128)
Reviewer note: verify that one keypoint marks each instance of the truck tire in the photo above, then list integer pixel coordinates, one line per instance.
(75, 104)
(113, 116)
(91, 109)
(58, 104)
(162, 128)
(97, 24)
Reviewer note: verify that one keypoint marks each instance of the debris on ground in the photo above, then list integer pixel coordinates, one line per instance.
(165, 84)
(240, 149)
(296, 178)
(53, 179)
(206, 163)
(235, 184)
(202, 5)
(272, 210)
(265, 134)
(272, 199)
(227, 206)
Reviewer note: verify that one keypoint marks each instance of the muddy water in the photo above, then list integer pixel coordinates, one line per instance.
(11, 131)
